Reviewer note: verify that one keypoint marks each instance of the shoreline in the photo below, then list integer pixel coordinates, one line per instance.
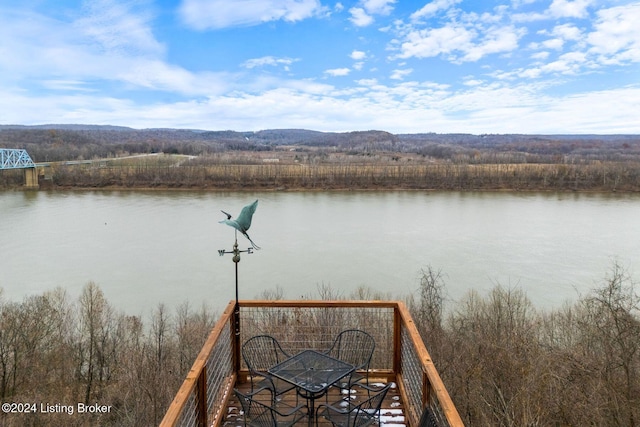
(246, 189)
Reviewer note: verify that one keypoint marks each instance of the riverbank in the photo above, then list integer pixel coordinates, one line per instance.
(599, 177)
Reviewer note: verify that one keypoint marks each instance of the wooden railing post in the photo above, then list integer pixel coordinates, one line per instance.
(201, 396)
(397, 340)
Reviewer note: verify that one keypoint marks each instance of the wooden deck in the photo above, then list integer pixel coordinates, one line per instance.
(205, 398)
(392, 412)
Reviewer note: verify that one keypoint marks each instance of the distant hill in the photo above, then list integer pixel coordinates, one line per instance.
(52, 142)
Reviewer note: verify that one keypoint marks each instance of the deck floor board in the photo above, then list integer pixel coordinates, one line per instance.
(391, 414)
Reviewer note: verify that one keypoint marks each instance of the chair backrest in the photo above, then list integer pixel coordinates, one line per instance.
(353, 346)
(428, 419)
(256, 414)
(262, 352)
(367, 411)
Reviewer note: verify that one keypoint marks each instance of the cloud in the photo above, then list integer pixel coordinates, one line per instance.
(358, 55)
(268, 61)
(569, 9)
(363, 15)
(336, 72)
(48, 54)
(494, 40)
(216, 14)
(462, 37)
(616, 38)
(359, 17)
(433, 8)
(403, 108)
(378, 7)
(436, 41)
(118, 28)
(400, 74)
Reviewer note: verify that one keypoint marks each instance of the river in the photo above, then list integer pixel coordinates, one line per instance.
(144, 248)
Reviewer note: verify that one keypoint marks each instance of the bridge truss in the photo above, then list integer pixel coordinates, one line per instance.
(15, 159)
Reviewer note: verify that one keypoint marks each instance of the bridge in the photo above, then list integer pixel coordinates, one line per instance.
(11, 158)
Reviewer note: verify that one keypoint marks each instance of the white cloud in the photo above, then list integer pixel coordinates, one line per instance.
(363, 14)
(436, 41)
(358, 55)
(215, 14)
(616, 38)
(567, 32)
(494, 40)
(540, 55)
(406, 107)
(569, 9)
(433, 8)
(336, 72)
(118, 28)
(459, 42)
(267, 61)
(359, 17)
(38, 50)
(400, 74)
(378, 7)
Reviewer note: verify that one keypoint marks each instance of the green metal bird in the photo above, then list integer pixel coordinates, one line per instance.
(243, 222)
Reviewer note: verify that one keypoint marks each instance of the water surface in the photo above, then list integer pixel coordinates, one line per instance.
(146, 248)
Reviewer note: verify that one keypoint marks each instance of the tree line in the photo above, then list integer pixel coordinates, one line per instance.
(208, 173)
(503, 361)
(57, 354)
(507, 363)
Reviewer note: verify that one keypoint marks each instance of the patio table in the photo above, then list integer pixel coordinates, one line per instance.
(312, 372)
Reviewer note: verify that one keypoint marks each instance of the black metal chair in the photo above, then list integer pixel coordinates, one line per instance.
(348, 414)
(356, 347)
(260, 353)
(428, 418)
(257, 413)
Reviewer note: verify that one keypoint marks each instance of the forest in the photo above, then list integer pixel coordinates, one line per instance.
(105, 156)
(503, 361)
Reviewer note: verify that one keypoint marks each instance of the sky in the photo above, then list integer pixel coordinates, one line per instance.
(444, 66)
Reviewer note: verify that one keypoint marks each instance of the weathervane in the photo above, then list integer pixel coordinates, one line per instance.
(242, 224)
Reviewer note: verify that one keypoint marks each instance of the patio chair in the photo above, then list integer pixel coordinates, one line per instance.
(428, 418)
(348, 414)
(260, 353)
(256, 413)
(356, 347)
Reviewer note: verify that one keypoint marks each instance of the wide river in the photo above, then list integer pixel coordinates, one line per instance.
(145, 248)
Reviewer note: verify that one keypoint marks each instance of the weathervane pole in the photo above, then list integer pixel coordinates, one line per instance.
(236, 310)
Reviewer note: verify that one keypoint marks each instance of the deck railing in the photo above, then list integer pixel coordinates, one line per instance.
(400, 355)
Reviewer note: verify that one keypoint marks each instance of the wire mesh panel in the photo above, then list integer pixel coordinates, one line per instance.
(305, 327)
(412, 376)
(219, 371)
(203, 393)
(189, 415)
(414, 380)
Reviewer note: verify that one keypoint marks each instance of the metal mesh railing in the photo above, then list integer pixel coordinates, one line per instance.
(306, 327)
(189, 414)
(219, 372)
(419, 390)
(412, 375)
(202, 395)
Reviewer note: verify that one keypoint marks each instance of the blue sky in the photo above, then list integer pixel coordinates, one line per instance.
(446, 66)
